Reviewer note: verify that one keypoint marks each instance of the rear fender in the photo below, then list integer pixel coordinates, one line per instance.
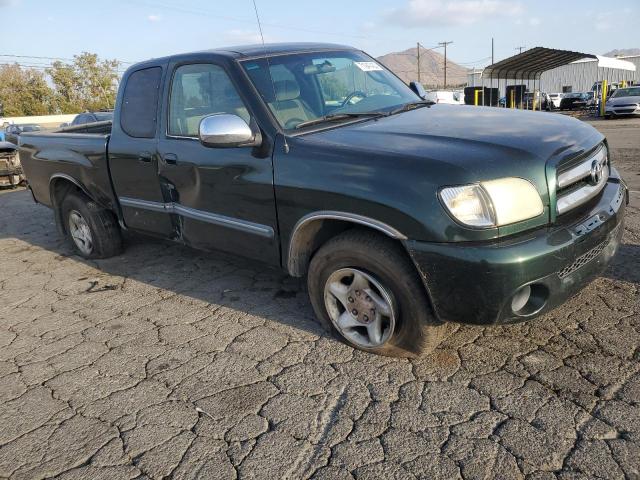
(60, 185)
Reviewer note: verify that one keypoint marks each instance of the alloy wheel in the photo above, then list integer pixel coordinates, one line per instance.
(360, 307)
(80, 232)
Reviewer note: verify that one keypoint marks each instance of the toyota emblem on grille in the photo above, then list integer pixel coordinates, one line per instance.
(596, 172)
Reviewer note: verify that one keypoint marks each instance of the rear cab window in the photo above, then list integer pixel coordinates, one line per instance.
(139, 109)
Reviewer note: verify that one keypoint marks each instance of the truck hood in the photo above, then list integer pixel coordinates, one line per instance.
(466, 144)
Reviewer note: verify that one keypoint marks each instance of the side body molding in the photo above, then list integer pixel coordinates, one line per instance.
(305, 229)
(209, 217)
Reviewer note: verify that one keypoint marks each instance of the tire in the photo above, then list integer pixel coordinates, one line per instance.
(90, 218)
(415, 329)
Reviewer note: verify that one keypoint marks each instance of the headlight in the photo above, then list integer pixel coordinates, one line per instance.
(494, 203)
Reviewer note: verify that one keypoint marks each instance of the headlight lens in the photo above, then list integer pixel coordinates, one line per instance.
(494, 203)
(469, 204)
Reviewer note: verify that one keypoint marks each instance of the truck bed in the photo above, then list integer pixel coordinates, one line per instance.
(71, 153)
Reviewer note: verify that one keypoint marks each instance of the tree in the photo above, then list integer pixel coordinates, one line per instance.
(24, 92)
(334, 88)
(87, 84)
(66, 81)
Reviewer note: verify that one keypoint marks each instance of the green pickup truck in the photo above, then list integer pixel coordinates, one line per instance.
(403, 215)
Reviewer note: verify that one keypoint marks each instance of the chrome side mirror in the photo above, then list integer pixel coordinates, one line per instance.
(418, 89)
(225, 130)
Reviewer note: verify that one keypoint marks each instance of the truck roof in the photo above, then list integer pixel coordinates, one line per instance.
(250, 51)
(259, 50)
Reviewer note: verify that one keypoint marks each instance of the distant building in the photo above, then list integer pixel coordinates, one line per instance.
(578, 76)
(581, 75)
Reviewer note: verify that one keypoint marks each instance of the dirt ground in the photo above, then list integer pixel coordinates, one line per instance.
(170, 362)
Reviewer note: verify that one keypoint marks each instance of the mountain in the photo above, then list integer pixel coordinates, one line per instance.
(405, 65)
(623, 51)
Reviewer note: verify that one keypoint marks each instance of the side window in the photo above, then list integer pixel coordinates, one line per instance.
(199, 90)
(139, 110)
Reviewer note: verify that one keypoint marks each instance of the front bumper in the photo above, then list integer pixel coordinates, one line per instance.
(476, 282)
(630, 109)
(10, 177)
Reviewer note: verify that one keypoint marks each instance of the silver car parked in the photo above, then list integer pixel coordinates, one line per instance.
(624, 101)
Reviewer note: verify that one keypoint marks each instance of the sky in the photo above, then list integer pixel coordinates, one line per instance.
(135, 30)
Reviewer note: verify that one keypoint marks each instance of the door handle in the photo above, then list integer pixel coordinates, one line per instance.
(170, 158)
(145, 157)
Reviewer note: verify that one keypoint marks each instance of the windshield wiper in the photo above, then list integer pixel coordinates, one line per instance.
(342, 116)
(332, 117)
(411, 105)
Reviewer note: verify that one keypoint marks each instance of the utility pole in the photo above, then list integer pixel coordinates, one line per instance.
(520, 48)
(444, 44)
(492, 61)
(418, 45)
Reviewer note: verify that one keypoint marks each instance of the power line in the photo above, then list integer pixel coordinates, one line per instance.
(49, 58)
(210, 13)
(422, 47)
(474, 62)
(31, 61)
(41, 66)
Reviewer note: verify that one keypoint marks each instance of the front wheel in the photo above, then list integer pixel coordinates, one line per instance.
(365, 290)
(92, 230)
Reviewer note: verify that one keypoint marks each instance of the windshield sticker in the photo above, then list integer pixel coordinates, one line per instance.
(368, 66)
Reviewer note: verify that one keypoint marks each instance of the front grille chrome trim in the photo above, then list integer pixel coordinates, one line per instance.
(580, 171)
(582, 181)
(582, 195)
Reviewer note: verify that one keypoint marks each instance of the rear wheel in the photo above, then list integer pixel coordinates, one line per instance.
(365, 290)
(92, 230)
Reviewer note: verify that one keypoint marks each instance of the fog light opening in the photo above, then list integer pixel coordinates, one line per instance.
(521, 298)
(529, 299)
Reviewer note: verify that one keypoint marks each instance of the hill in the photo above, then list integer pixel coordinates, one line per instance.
(405, 65)
(623, 51)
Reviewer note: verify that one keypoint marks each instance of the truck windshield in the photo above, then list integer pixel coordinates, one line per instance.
(309, 87)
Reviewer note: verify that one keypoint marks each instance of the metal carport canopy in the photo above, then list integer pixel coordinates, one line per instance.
(532, 63)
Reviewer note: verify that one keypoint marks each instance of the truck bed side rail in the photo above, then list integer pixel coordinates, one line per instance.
(94, 127)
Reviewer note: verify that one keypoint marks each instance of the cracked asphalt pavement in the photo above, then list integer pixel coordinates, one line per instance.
(167, 362)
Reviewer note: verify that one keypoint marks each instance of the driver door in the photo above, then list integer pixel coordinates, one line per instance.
(222, 198)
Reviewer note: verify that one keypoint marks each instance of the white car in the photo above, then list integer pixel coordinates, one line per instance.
(555, 99)
(444, 96)
(624, 101)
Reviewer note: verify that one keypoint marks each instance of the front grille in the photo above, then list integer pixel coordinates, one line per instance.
(582, 260)
(582, 180)
(622, 105)
(624, 110)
